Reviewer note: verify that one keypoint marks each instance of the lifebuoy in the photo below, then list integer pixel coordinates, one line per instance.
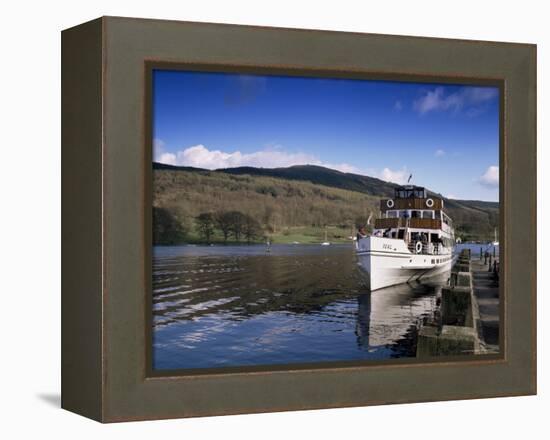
(418, 247)
(390, 203)
(429, 203)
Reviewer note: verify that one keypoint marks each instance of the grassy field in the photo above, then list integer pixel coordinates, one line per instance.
(290, 235)
(312, 235)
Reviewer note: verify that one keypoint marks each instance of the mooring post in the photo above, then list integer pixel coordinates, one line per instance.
(480, 253)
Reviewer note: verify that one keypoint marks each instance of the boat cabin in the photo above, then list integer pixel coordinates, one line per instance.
(414, 215)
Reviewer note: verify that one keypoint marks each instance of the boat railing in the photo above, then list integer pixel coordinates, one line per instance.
(427, 248)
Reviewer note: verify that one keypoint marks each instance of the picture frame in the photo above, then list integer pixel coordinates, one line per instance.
(106, 218)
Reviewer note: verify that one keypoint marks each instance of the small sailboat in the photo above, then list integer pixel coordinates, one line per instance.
(495, 243)
(326, 242)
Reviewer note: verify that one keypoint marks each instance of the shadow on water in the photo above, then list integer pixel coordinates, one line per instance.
(236, 306)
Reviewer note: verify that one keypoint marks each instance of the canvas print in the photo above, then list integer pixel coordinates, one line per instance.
(306, 220)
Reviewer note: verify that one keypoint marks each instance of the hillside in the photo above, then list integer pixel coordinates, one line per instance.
(290, 202)
(309, 173)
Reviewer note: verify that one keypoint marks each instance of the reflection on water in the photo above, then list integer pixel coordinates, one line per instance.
(240, 305)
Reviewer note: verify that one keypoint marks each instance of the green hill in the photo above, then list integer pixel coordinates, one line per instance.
(308, 173)
(297, 203)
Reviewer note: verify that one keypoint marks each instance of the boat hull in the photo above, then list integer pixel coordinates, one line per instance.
(387, 262)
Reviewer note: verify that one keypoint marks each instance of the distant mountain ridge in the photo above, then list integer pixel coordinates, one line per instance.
(329, 177)
(309, 173)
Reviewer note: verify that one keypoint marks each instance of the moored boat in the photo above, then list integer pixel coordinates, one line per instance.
(413, 239)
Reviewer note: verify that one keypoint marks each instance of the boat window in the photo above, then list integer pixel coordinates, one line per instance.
(415, 214)
(392, 214)
(401, 234)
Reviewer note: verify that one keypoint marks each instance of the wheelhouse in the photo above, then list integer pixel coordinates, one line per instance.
(410, 192)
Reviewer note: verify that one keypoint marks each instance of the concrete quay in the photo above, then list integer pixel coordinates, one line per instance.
(468, 319)
(486, 292)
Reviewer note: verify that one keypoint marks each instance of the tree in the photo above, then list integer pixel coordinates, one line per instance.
(166, 227)
(205, 224)
(251, 228)
(223, 221)
(237, 221)
(269, 211)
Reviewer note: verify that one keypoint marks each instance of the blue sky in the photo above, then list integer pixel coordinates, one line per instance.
(447, 136)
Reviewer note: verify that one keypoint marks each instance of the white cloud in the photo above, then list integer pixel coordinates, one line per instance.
(398, 106)
(161, 155)
(439, 153)
(472, 98)
(272, 157)
(490, 177)
(396, 176)
(451, 196)
(201, 157)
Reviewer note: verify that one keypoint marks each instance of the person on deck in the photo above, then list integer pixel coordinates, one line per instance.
(361, 233)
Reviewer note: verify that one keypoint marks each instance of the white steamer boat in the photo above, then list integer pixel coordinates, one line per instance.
(413, 239)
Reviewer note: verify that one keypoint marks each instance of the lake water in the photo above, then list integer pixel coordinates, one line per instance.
(221, 306)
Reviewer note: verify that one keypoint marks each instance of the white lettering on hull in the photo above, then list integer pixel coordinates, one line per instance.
(388, 262)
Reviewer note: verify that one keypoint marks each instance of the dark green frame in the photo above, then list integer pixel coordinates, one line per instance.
(106, 194)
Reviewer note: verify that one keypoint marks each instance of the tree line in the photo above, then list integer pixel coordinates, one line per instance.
(235, 225)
